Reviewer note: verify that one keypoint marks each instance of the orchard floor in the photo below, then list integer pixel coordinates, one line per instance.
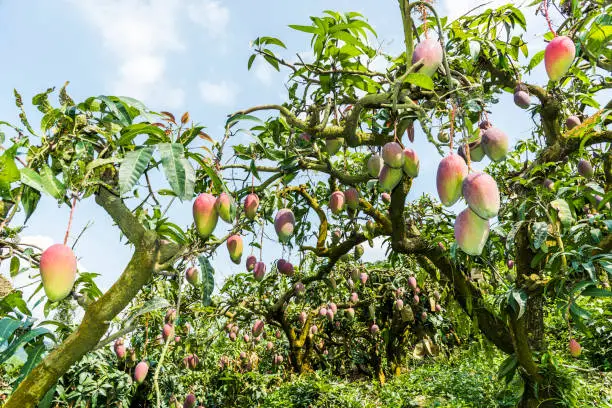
(465, 379)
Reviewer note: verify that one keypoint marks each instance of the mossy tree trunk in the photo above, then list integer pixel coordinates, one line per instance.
(148, 255)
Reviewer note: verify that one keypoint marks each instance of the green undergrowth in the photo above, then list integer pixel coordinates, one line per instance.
(466, 378)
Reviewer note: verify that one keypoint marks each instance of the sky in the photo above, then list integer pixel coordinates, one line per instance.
(182, 55)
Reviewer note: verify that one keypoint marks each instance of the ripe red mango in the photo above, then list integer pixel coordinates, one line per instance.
(574, 348)
(429, 53)
(363, 277)
(585, 169)
(205, 214)
(119, 349)
(393, 154)
(251, 204)
(225, 207)
(389, 178)
(351, 196)
(286, 268)
(411, 163)
(167, 331)
(190, 401)
(58, 267)
(284, 224)
(451, 172)
(375, 164)
(471, 232)
(302, 317)
(522, 99)
(336, 202)
(258, 327)
(299, 288)
(259, 271)
(572, 121)
(558, 57)
(140, 372)
(250, 262)
(193, 275)
(495, 143)
(234, 247)
(481, 194)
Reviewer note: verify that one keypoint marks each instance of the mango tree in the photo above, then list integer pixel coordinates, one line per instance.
(537, 219)
(333, 172)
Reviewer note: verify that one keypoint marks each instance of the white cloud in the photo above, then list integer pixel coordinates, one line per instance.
(211, 15)
(141, 35)
(218, 93)
(263, 71)
(377, 253)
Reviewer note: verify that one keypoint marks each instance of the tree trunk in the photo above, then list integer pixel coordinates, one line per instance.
(149, 253)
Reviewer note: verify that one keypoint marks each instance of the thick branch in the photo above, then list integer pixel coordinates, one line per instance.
(469, 297)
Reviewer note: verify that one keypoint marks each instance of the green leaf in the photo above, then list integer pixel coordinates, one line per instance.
(420, 80)
(208, 280)
(540, 233)
(29, 200)
(512, 234)
(99, 163)
(535, 60)
(41, 100)
(9, 172)
(132, 167)
(14, 268)
(117, 109)
(8, 327)
(149, 306)
(565, 214)
(520, 297)
(232, 120)
(128, 133)
(54, 187)
(579, 313)
(35, 355)
(251, 59)
(178, 169)
(508, 368)
(306, 29)
(13, 301)
(596, 292)
(21, 340)
(47, 184)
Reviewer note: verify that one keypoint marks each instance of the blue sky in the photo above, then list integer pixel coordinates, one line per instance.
(180, 55)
